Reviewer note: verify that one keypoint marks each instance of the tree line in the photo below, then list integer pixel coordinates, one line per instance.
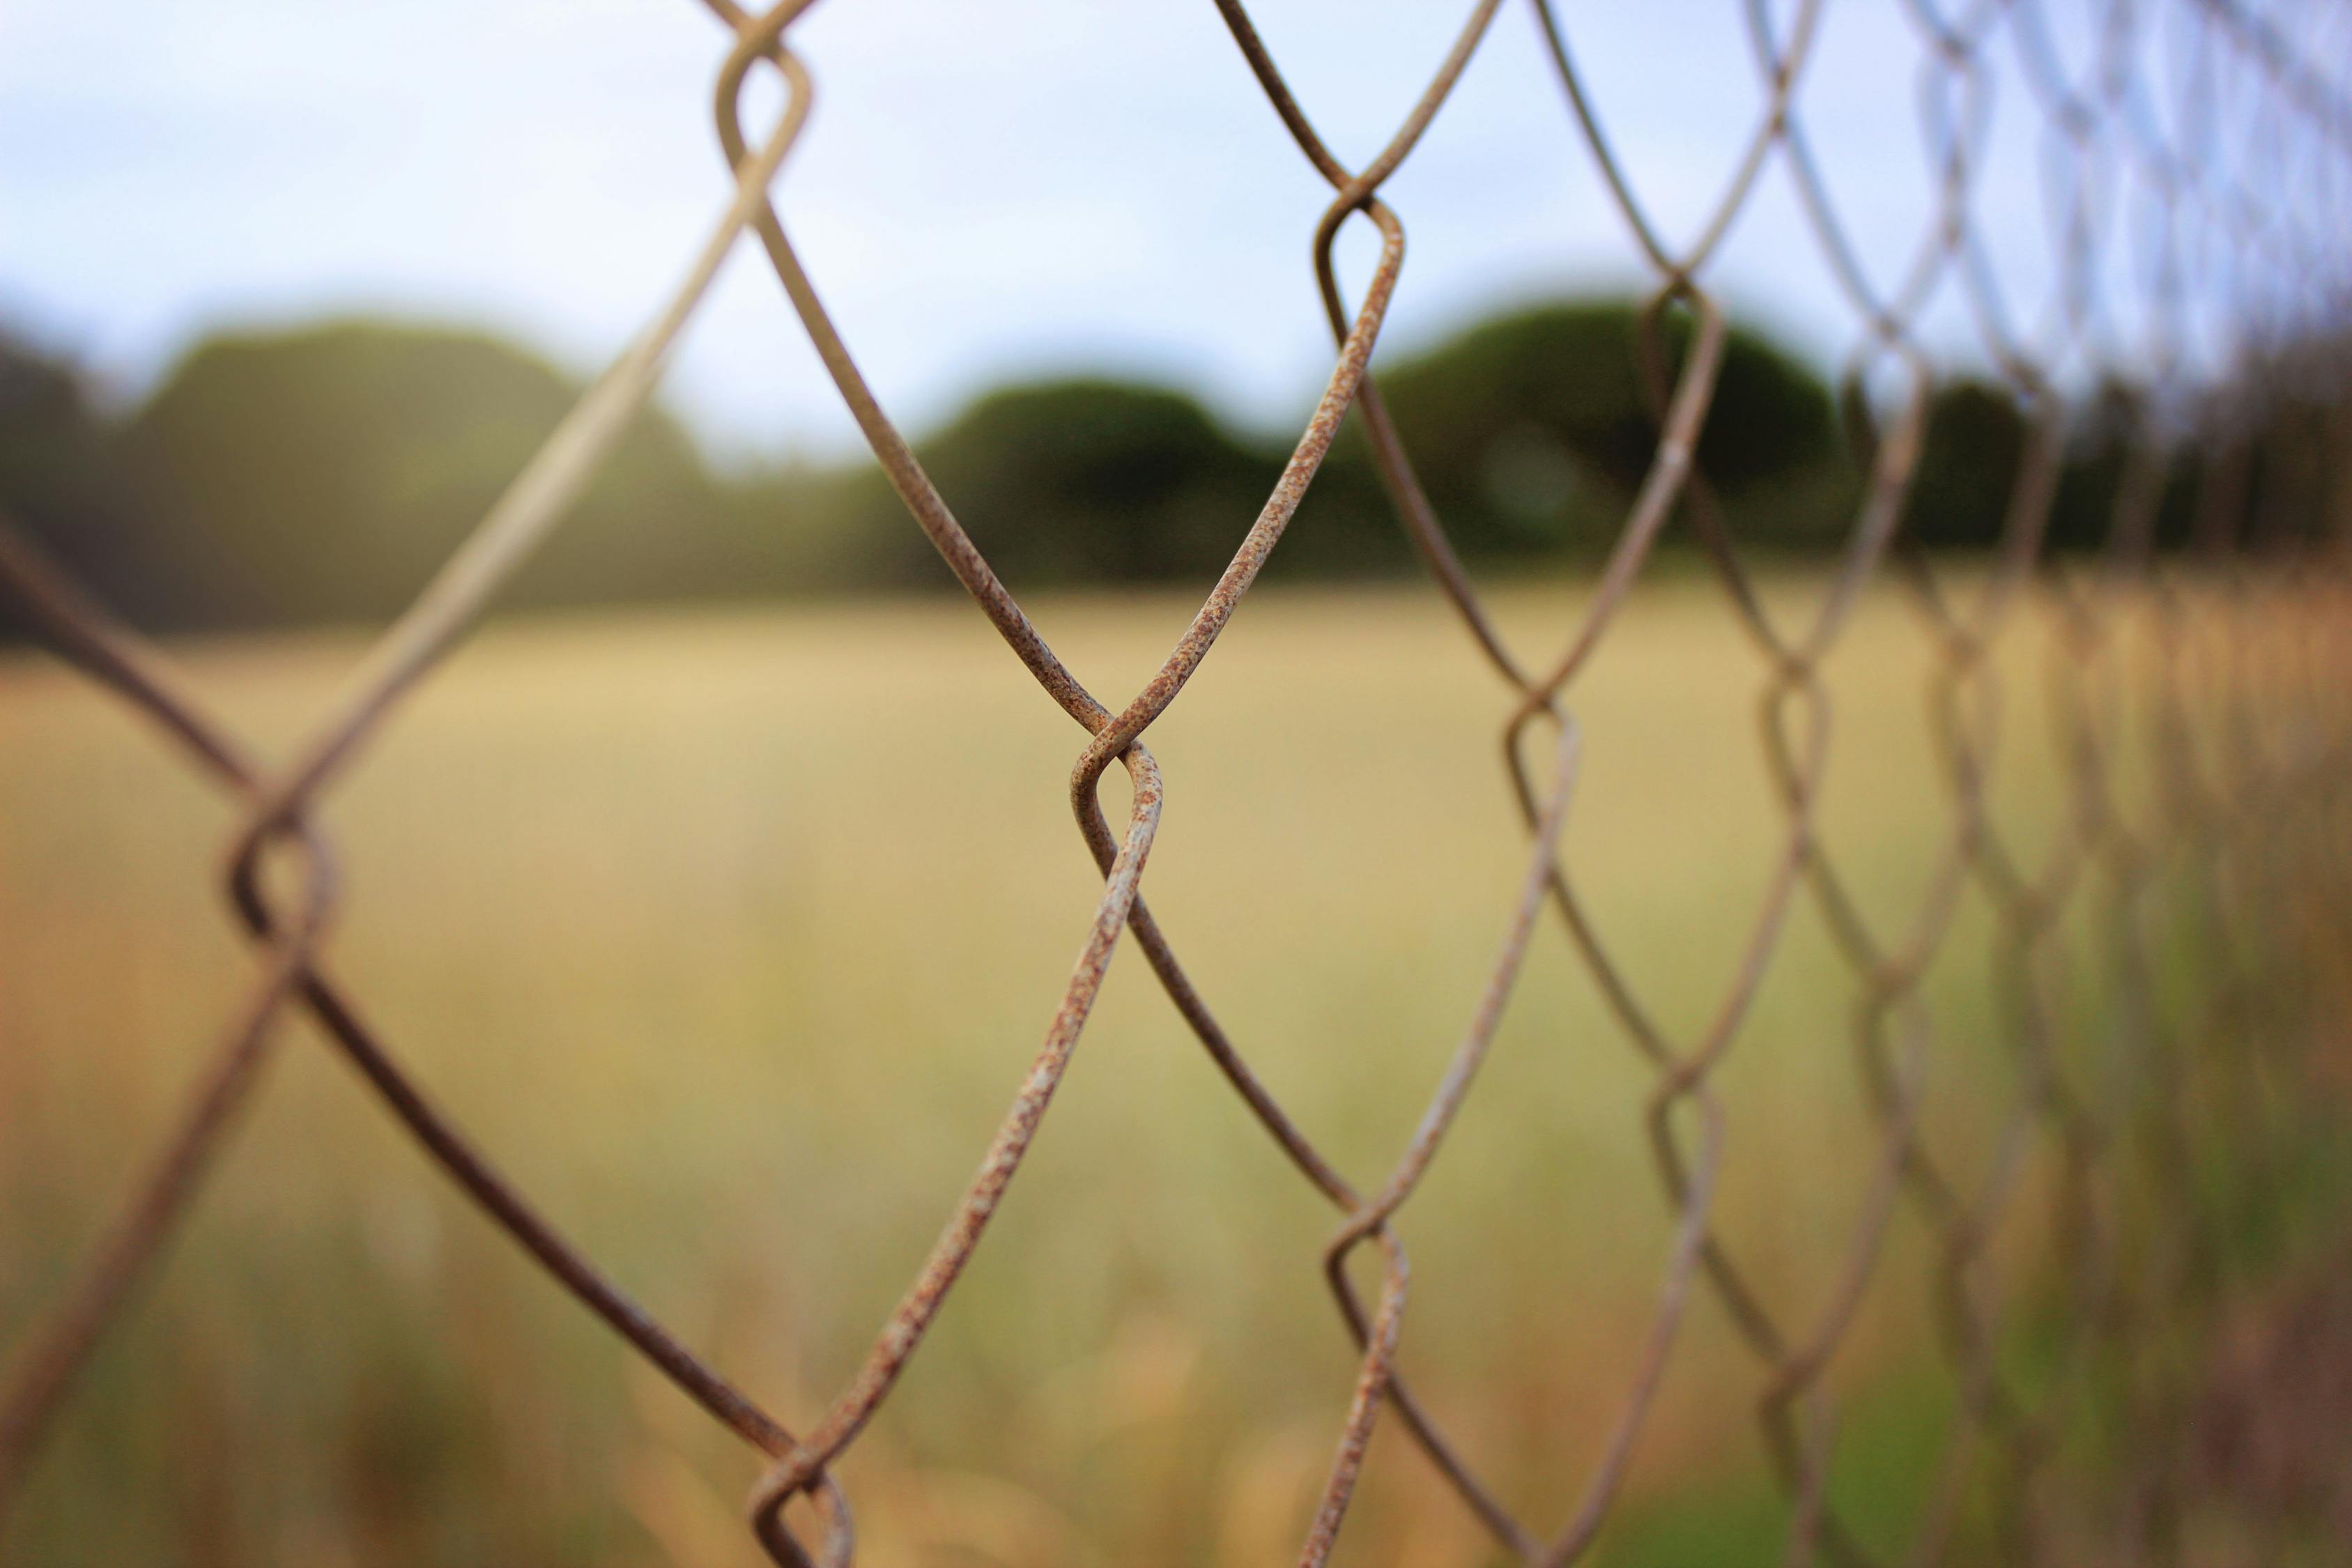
(322, 474)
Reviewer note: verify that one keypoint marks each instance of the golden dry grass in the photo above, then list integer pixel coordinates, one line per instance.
(731, 936)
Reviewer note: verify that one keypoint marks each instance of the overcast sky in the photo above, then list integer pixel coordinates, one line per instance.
(985, 190)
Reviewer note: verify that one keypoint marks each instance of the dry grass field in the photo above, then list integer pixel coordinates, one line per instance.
(731, 935)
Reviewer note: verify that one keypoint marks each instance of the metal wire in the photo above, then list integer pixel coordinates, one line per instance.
(2234, 703)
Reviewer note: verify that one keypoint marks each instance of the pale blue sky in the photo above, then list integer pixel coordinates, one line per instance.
(985, 190)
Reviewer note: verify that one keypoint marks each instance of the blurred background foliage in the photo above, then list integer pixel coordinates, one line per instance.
(637, 889)
(319, 474)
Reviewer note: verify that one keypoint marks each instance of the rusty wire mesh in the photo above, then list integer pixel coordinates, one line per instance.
(2218, 668)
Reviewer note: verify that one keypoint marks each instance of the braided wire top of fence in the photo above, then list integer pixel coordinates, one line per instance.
(2228, 188)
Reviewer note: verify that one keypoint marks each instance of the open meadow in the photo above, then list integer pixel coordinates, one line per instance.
(731, 935)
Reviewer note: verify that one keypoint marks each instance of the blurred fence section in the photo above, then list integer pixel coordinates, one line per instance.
(2200, 874)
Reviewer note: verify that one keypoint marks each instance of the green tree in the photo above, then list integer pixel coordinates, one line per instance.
(1531, 432)
(324, 474)
(1088, 480)
(58, 484)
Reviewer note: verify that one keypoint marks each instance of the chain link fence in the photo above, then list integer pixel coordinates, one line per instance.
(2216, 669)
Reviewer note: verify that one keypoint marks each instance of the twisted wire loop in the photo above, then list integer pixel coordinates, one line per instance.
(2196, 716)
